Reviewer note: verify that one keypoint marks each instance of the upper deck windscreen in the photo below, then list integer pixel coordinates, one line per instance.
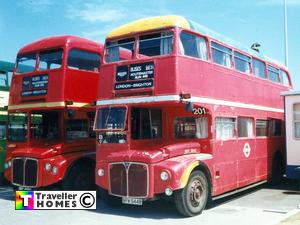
(47, 60)
(149, 45)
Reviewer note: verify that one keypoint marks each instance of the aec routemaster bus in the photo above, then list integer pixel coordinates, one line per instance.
(187, 114)
(50, 112)
(6, 69)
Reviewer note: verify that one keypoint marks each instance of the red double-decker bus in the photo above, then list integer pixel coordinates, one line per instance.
(50, 112)
(187, 113)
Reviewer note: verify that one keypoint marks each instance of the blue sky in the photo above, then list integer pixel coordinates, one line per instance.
(245, 21)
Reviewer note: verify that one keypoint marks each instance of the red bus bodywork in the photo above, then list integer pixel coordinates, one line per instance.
(215, 91)
(66, 95)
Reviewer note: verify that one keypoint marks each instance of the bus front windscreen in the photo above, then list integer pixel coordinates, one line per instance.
(111, 122)
(111, 118)
(17, 127)
(44, 125)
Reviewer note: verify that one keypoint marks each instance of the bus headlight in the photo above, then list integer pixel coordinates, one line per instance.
(100, 172)
(164, 175)
(47, 167)
(54, 170)
(9, 163)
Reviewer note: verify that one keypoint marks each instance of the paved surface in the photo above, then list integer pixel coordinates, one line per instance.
(263, 205)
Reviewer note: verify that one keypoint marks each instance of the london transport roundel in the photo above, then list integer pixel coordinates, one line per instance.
(247, 149)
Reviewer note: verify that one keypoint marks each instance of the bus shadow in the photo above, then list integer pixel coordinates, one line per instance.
(7, 193)
(160, 209)
(164, 209)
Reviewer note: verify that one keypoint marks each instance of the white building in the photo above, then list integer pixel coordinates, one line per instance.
(292, 127)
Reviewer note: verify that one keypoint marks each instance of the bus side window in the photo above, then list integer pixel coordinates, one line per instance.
(275, 127)
(77, 128)
(259, 68)
(194, 46)
(273, 74)
(261, 128)
(284, 78)
(245, 127)
(224, 128)
(242, 62)
(221, 55)
(191, 127)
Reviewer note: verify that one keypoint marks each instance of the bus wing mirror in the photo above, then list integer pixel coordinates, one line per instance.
(189, 107)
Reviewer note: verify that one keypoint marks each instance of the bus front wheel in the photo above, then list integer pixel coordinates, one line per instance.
(192, 199)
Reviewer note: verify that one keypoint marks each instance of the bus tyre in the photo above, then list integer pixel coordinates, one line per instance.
(108, 199)
(192, 199)
(80, 177)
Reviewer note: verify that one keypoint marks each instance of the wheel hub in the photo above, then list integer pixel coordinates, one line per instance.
(196, 191)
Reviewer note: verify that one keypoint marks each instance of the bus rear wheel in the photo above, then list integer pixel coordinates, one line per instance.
(192, 199)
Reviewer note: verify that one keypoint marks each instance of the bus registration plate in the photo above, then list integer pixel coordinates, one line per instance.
(132, 201)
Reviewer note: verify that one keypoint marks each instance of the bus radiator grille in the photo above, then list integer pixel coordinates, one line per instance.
(129, 179)
(24, 172)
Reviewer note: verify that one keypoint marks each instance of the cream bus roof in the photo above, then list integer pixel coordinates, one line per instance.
(160, 22)
(150, 23)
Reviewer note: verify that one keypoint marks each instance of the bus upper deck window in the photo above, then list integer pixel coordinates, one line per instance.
(193, 45)
(273, 73)
(242, 62)
(284, 78)
(156, 44)
(119, 50)
(83, 60)
(221, 55)
(259, 68)
(50, 59)
(26, 63)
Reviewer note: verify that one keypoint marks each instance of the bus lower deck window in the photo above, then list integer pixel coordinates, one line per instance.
(245, 127)
(224, 128)
(261, 128)
(146, 123)
(275, 127)
(190, 127)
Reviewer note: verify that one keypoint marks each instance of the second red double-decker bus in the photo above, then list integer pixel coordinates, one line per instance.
(50, 135)
(186, 113)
